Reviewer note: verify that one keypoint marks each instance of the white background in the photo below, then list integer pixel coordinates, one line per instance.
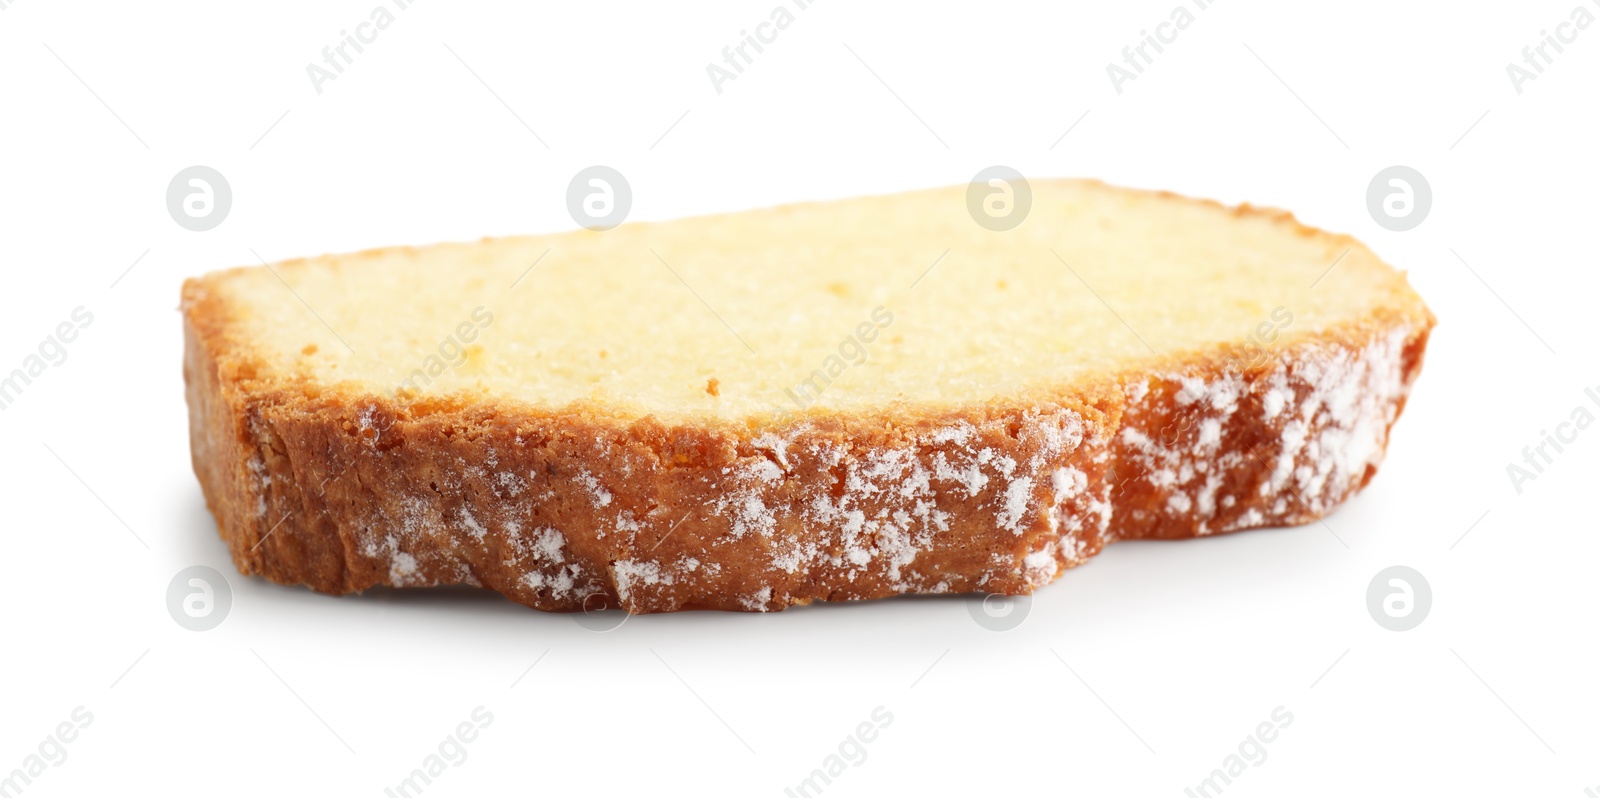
(1134, 675)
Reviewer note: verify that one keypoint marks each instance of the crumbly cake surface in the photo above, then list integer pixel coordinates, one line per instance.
(637, 494)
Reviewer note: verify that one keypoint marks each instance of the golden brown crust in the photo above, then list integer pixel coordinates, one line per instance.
(341, 490)
(565, 510)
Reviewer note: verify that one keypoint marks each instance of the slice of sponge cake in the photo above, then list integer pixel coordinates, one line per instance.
(838, 400)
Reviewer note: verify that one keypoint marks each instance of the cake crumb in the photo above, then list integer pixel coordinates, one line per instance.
(714, 386)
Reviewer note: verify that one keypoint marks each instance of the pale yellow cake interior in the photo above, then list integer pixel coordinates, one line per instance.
(741, 314)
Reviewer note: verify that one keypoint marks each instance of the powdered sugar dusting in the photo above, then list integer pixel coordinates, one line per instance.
(803, 506)
(1330, 408)
(631, 574)
(597, 492)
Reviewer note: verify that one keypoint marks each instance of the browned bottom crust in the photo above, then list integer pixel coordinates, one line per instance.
(565, 511)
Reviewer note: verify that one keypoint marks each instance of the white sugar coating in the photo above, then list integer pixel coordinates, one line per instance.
(542, 555)
(401, 567)
(772, 443)
(1273, 401)
(547, 545)
(759, 601)
(767, 471)
(559, 584)
(597, 493)
(1077, 510)
(510, 484)
(972, 478)
(958, 434)
(366, 423)
(747, 512)
(1018, 494)
(259, 474)
(1290, 444)
(1207, 498)
(908, 477)
(1328, 410)
(260, 481)
(1136, 390)
(1332, 407)
(788, 559)
(1040, 567)
(474, 528)
(627, 574)
(1069, 481)
(743, 500)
